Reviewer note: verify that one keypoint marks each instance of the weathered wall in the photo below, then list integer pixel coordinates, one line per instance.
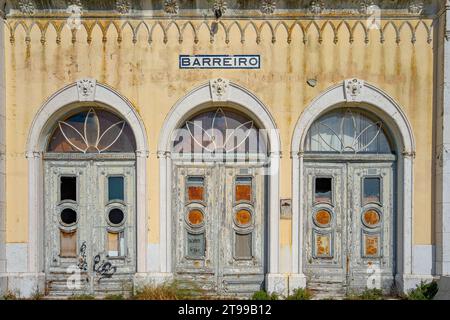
(398, 60)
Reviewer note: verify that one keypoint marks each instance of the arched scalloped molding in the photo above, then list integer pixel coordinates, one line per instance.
(241, 99)
(252, 29)
(56, 106)
(385, 107)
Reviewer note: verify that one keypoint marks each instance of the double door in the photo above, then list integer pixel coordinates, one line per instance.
(349, 222)
(89, 226)
(219, 214)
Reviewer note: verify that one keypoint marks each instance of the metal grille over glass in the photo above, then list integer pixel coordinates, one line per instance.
(219, 131)
(92, 131)
(348, 131)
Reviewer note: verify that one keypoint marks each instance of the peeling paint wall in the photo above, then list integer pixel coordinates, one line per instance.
(140, 60)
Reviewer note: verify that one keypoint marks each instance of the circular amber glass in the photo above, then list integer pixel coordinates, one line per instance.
(371, 218)
(195, 217)
(323, 217)
(243, 217)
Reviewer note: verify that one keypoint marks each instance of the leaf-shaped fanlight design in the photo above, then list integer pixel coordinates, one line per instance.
(91, 140)
(219, 138)
(353, 142)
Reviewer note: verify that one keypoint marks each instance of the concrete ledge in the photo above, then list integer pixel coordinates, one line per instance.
(444, 289)
(278, 283)
(23, 285)
(296, 281)
(151, 278)
(407, 282)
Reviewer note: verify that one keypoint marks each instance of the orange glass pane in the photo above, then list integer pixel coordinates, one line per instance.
(371, 245)
(243, 192)
(323, 245)
(323, 217)
(243, 217)
(195, 217)
(371, 218)
(68, 244)
(195, 193)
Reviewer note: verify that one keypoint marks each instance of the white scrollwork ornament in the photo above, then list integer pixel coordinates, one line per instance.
(86, 89)
(219, 89)
(353, 90)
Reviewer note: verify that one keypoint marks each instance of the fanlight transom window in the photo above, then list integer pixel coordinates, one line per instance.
(92, 131)
(220, 131)
(348, 131)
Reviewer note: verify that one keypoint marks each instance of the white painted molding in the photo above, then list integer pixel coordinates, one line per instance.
(238, 98)
(56, 106)
(377, 101)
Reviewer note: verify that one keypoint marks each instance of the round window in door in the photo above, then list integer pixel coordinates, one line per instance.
(90, 203)
(349, 205)
(219, 201)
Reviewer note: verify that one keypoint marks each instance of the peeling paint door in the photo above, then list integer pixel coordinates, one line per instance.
(90, 226)
(219, 213)
(372, 225)
(349, 220)
(325, 240)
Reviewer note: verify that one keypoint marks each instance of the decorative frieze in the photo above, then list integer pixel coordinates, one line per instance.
(123, 6)
(416, 7)
(268, 6)
(26, 6)
(219, 8)
(171, 6)
(296, 30)
(316, 7)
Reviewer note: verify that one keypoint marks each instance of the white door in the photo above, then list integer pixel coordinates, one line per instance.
(90, 226)
(219, 214)
(349, 220)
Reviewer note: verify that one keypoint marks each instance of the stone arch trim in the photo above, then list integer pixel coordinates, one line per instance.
(218, 92)
(71, 96)
(353, 92)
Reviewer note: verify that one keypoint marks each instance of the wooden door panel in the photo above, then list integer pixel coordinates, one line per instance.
(242, 219)
(371, 214)
(194, 203)
(60, 265)
(324, 212)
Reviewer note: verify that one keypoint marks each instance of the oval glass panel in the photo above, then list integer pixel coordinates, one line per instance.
(371, 218)
(68, 216)
(116, 216)
(322, 218)
(195, 217)
(243, 217)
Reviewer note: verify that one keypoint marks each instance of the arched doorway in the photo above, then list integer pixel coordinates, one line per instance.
(349, 183)
(219, 201)
(90, 204)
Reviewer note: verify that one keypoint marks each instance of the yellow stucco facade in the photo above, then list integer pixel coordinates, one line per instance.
(38, 63)
(308, 52)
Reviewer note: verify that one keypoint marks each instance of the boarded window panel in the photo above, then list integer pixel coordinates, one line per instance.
(116, 244)
(372, 190)
(322, 245)
(115, 188)
(323, 190)
(196, 189)
(371, 245)
(196, 245)
(68, 244)
(69, 188)
(243, 246)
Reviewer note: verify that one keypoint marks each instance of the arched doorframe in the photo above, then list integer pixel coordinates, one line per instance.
(72, 96)
(219, 92)
(357, 91)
